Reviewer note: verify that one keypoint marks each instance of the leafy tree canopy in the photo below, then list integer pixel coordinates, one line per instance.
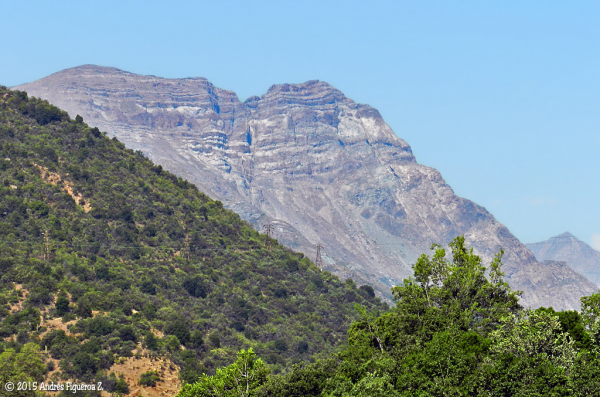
(240, 379)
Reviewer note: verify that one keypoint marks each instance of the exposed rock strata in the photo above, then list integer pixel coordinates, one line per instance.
(319, 166)
(578, 255)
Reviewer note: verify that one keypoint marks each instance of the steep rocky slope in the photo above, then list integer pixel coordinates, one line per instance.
(568, 248)
(320, 167)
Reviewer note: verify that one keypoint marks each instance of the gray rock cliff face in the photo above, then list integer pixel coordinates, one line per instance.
(567, 248)
(320, 167)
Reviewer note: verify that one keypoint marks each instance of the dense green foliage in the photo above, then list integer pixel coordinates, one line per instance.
(125, 251)
(455, 332)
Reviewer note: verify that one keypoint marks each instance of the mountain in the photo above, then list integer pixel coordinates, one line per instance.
(113, 264)
(320, 167)
(567, 248)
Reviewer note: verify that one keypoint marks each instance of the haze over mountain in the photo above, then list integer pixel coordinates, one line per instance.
(320, 167)
(568, 248)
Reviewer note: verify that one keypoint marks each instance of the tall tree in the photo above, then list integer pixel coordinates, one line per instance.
(239, 379)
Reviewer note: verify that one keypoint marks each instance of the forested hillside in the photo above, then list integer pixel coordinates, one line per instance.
(104, 256)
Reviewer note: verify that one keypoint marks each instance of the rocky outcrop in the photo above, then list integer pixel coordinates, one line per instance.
(567, 248)
(318, 166)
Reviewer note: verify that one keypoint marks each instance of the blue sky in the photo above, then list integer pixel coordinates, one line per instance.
(502, 97)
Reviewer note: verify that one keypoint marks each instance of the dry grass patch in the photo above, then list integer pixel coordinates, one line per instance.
(132, 369)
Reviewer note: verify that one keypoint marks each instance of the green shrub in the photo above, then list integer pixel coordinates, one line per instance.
(149, 378)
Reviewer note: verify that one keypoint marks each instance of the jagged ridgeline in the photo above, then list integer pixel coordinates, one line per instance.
(104, 255)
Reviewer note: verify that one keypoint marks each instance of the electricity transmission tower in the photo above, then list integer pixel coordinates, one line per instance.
(268, 229)
(318, 259)
(46, 252)
(186, 247)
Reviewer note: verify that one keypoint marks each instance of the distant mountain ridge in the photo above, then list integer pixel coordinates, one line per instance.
(318, 166)
(568, 248)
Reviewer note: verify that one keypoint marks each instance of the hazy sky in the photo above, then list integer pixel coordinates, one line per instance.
(502, 97)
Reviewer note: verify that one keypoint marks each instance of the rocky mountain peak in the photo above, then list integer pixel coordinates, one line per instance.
(315, 164)
(568, 248)
(94, 69)
(310, 93)
(565, 234)
(303, 88)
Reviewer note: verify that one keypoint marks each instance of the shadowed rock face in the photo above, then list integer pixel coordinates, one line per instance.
(577, 254)
(319, 166)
